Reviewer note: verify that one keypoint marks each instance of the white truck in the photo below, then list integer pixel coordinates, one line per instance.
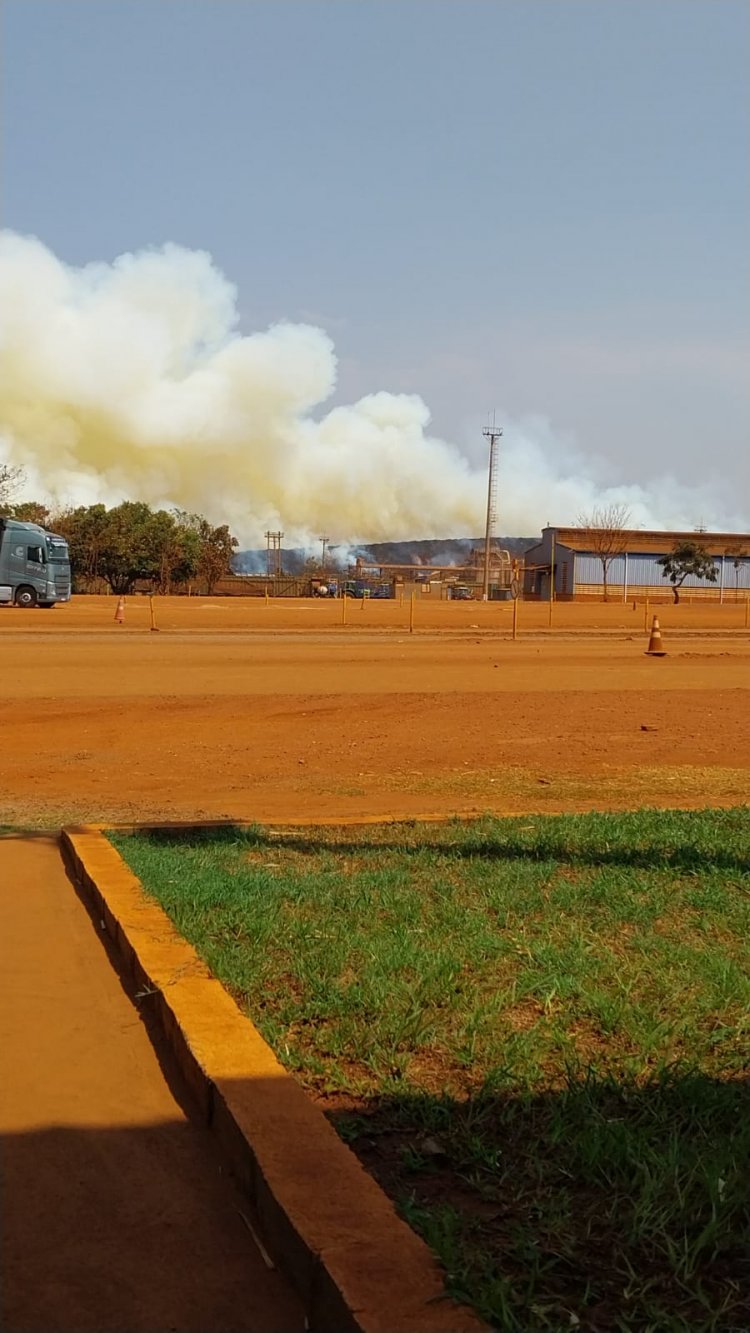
(34, 565)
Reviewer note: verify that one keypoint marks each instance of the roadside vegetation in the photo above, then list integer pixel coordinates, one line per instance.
(534, 1032)
(131, 543)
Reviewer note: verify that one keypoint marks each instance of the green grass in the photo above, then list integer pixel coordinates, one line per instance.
(535, 1032)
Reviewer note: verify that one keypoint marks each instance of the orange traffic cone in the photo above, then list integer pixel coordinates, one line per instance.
(120, 612)
(655, 645)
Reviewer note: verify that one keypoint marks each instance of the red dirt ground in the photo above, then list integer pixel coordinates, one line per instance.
(241, 709)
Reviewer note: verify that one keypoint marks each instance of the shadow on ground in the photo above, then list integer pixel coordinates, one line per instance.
(496, 839)
(600, 1207)
(132, 1229)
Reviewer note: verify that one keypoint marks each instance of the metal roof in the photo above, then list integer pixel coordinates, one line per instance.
(638, 541)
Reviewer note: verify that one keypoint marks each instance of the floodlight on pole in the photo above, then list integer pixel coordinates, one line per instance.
(492, 433)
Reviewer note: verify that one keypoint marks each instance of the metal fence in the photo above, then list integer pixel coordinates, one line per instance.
(634, 574)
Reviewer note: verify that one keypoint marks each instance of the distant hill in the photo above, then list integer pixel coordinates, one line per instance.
(437, 551)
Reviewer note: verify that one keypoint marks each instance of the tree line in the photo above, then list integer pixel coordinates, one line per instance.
(132, 543)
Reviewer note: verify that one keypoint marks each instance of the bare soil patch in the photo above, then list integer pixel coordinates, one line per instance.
(235, 711)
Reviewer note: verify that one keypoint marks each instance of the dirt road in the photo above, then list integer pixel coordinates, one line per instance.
(222, 716)
(306, 614)
(115, 1215)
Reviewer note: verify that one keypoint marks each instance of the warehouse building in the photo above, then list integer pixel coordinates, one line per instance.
(633, 572)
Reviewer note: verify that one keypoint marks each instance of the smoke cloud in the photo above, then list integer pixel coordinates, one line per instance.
(130, 381)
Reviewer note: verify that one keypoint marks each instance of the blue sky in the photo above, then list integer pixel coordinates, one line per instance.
(535, 205)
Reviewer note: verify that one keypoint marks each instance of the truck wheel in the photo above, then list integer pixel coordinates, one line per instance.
(26, 596)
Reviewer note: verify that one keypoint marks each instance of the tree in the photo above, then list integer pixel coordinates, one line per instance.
(738, 555)
(122, 545)
(684, 559)
(30, 511)
(215, 547)
(132, 543)
(10, 480)
(85, 530)
(177, 547)
(607, 527)
(215, 556)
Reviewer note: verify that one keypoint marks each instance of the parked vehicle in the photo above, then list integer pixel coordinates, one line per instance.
(34, 565)
(360, 588)
(460, 592)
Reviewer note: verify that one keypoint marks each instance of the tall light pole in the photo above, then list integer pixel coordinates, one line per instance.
(324, 542)
(492, 433)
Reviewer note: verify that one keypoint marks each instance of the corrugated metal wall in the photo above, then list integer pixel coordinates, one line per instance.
(644, 572)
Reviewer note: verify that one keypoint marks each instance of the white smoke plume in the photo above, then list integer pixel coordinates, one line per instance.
(130, 381)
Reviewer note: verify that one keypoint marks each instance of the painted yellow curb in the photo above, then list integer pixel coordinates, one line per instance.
(357, 1266)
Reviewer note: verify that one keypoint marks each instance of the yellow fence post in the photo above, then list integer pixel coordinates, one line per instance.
(515, 618)
(344, 601)
(645, 616)
(154, 626)
(411, 614)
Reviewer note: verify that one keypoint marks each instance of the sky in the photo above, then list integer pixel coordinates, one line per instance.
(537, 207)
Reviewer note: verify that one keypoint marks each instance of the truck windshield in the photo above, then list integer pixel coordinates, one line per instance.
(57, 550)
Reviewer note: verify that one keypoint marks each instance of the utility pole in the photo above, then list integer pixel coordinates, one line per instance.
(273, 553)
(492, 433)
(324, 541)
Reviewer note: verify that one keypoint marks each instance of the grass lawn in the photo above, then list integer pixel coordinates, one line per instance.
(534, 1032)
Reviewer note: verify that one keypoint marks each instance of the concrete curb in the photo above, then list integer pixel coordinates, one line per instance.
(357, 1266)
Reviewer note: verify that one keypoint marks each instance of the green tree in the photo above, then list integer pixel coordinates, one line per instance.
(132, 543)
(176, 546)
(684, 559)
(122, 545)
(30, 511)
(215, 547)
(215, 554)
(84, 529)
(149, 546)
